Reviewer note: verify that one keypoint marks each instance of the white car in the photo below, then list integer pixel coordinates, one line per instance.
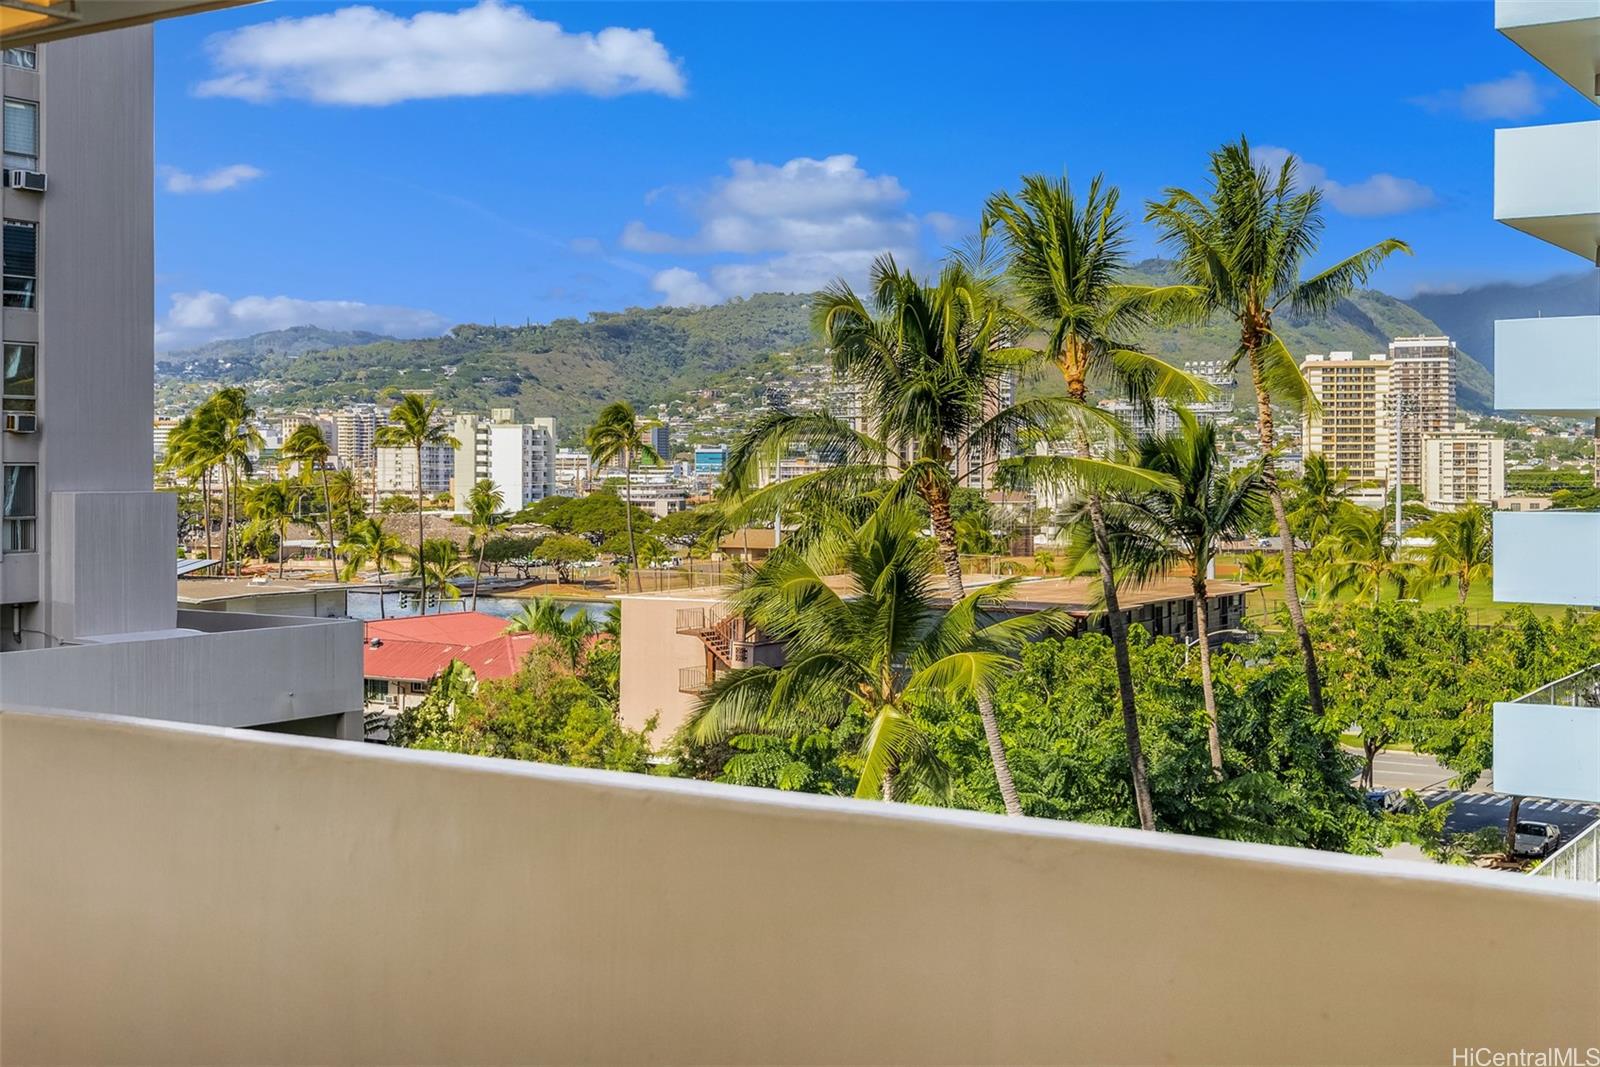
(1535, 839)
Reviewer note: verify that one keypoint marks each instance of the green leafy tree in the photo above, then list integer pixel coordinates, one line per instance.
(1317, 499)
(1369, 554)
(1066, 257)
(548, 617)
(272, 504)
(309, 449)
(1258, 567)
(1241, 248)
(562, 551)
(876, 649)
(615, 437)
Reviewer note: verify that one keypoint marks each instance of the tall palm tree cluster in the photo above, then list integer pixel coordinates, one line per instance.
(934, 364)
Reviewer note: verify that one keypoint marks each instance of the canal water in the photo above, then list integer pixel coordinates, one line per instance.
(399, 605)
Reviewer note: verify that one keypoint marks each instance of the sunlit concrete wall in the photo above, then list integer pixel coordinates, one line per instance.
(1547, 750)
(1547, 557)
(1548, 365)
(652, 654)
(227, 670)
(184, 894)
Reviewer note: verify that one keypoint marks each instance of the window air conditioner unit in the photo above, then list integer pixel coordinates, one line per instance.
(32, 180)
(21, 422)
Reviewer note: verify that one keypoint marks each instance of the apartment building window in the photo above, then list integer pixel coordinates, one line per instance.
(19, 388)
(24, 58)
(18, 500)
(22, 134)
(21, 263)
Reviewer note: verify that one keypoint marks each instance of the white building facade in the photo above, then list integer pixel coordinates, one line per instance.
(397, 469)
(518, 457)
(1547, 185)
(1462, 466)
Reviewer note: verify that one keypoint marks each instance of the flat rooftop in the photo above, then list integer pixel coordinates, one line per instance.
(207, 590)
(1077, 596)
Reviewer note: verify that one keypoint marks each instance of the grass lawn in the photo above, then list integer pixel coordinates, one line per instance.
(1482, 609)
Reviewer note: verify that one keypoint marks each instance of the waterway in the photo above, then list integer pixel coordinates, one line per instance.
(400, 605)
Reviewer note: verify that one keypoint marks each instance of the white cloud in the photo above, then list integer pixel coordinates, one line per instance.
(198, 317)
(364, 56)
(1377, 194)
(231, 177)
(1516, 96)
(805, 222)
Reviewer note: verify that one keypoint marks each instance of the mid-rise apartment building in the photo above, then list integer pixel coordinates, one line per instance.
(710, 460)
(1352, 430)
(1462, 466)
(572, 471)
(1547, 186)
(397, 469)
(659, 437)
(518, 457)
(354, 430)
(1423, 388)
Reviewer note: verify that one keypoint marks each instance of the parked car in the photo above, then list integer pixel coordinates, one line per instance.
(1389, 801)
(1535, 839)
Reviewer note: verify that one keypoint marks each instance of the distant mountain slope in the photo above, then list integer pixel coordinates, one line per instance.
(569, 368)
(294, 341)
(1468, 316)
(565, 368)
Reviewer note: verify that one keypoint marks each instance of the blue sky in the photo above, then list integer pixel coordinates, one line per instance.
(413, 166)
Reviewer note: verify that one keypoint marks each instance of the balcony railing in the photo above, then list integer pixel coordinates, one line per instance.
(1580, 689)
(693, 680)
(185, 893)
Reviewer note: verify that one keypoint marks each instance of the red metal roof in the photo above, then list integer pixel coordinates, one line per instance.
(416, 649)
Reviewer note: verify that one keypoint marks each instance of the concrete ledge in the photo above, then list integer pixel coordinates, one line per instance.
(229, 897)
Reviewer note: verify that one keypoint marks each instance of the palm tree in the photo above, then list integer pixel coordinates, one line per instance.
(237, 442)
(192, 448)
(440, 561)
(1205, 506)
(485, 519)
(272, 504)
(307, 447)
(547, 616)
(876, 647)
(1241, 250)
(1463, 547)
(1320, 492)
(929, 365)
(1263, 569)
(416, 422)
(1368, 553)
(655, 557)
(615, 436)
(1066, 256)
(368, 542)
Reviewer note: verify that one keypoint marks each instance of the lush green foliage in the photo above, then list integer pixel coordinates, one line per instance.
(598, 517)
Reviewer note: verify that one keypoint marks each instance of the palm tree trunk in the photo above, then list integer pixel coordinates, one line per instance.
(227, 519)
(381, 613)
(327, 502)
(1291, 594)
(283, 534)
(1463, 586)
(1369, 754)
(477, 576)
(422, 562)
(1202, 625)
(944, 531)
(1119, 648)
(627, 516)
(205, 506)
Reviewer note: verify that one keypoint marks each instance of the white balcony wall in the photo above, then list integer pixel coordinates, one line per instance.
(1547, 183)
(179, 893)
(1564, 35)
(1549, 365)
(1547, 750)
(1547, 557)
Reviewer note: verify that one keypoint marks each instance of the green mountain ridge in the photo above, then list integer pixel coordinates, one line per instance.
(570, 368)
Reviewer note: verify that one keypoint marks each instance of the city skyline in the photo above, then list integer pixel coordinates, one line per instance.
(749, 168)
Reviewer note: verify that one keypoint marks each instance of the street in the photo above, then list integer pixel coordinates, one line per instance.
(1473, 811)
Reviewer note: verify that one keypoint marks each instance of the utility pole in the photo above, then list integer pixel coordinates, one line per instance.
(1404, 404)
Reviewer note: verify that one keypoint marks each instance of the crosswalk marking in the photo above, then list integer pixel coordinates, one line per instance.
(1438, 796)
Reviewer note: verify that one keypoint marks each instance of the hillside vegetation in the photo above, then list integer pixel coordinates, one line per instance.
(570, 368)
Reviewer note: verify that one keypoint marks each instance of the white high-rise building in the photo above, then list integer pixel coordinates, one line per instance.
(354, 429)
(1547, 185)
(518, 457)
(397, 469)
(1424, 382)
